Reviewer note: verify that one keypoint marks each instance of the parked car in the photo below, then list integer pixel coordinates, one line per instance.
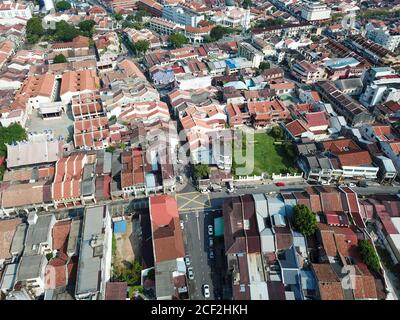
(190, 273)
(210, 230)
(206, 290)
(352, 185)
(363, 184)
(280, 184)
(187, 261)
(211, 254)
(182, 226)
(210, 242)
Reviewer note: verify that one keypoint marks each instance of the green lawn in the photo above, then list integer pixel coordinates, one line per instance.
(269, 157)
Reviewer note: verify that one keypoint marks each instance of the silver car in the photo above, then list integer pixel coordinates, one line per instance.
(187, 261)
(190, 273)
(206, 291)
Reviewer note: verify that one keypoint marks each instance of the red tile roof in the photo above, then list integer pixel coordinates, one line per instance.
(7, 231)
(296, 127)
(329, 285)
(163, 209)
(317, 119)
(167, 234)
(357, 158)
(60, 235)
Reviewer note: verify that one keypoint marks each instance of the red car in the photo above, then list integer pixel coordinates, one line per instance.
(280, 184)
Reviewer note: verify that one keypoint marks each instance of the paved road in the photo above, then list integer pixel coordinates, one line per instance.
(196, 247)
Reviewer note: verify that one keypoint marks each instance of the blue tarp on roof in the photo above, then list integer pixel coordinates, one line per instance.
(120, 226)
(230, 63)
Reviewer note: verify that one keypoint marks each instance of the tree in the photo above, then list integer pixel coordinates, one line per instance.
(65, 32)
(201, 171)
(130, 17)
(277, 133)
(218, 32)
(34, 29)
(140, 14)
(129, 273)
(151, 274)
(178, 40)
(141, 46)
(246, 4)
(10, 134)
(63, 5)
(60, 58)
(112, 120)
(87, 27)
(110, 149)
(264, 65)
(314, 38)
(207, 38)
(118, 16)
(270, 23)
(304, 220)
(368, 255)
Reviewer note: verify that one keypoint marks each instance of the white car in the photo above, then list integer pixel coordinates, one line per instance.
(190, 273)
(210, 230)
(206, 291)
(352, 185)
(187, 261)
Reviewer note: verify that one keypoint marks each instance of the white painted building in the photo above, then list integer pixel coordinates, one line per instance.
(252, 54)
(233, 17)
(182, 15)
(15, 10)
(381, 35)
(313, 11)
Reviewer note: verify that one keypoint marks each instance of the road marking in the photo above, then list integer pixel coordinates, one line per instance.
(193, 199)
(198, 226)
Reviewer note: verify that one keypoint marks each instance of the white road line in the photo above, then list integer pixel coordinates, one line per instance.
(198, 226)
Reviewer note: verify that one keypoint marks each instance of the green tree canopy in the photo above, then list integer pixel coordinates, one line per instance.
(65, 32)
(130, 17)
(304, 220)
(34, 29)
(87, 27)
(201, 171)
(60, 58)
(218, 32)
(177, 40)
(63, 5)
(129, 273)
(277, 132)
(141, 46)
(140, 14)
(246, 4)
(368, 255)
(118, 16)
(12, 133)
(270, 23)
(264, 65)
